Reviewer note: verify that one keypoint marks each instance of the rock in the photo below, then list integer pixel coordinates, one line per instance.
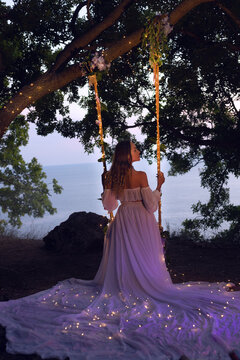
(82, 231)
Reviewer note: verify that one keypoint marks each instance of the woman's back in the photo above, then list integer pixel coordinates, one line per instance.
(133, 180)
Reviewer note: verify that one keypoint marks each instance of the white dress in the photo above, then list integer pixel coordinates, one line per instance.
(130, 310)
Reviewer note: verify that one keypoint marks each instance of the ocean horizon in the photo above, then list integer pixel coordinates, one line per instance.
(82, 189)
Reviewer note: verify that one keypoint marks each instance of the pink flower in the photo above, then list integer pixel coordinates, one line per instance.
(167, 28)
(99, 62)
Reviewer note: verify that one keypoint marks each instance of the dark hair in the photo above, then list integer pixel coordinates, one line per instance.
(121, 164)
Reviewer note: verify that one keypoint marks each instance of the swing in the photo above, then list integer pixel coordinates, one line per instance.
(93, 81)
(156, 34)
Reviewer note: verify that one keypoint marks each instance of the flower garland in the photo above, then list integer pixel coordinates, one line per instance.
(98, 64)
(155, 37)
(98, 61)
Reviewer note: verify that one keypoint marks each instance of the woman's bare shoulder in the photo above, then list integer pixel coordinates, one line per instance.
(142, 176)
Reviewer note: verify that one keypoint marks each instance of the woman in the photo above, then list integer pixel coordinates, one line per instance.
(133, 239)
(131, 309)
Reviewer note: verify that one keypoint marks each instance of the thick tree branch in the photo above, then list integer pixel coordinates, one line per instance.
(72, 48)
(52, 80)
(184, 8)
(44, 85)
(128, 42)
(75, 15)
(202, 41)
(230, 13)
(88, 11)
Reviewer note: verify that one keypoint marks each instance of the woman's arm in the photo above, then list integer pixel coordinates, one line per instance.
(151, 198)
(144, 180)
(109, 200)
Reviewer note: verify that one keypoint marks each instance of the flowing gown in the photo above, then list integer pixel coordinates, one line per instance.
(131, 309)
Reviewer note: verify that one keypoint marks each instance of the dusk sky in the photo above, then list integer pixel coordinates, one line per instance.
(54, 149)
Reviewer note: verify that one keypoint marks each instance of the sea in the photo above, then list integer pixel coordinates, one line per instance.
(82, 189)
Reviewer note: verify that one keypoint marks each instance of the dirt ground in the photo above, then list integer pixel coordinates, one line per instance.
(27, 267)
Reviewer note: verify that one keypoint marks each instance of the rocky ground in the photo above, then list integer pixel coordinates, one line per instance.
(27, 267)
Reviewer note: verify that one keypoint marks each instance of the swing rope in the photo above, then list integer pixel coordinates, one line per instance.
(155, 39)
(156, 83)
(93, 81)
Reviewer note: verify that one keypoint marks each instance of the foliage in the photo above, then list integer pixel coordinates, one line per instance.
(199, 86)
(22, 187)
(155, 39)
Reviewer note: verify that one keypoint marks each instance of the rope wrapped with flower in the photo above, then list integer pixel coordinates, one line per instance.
(155, 39)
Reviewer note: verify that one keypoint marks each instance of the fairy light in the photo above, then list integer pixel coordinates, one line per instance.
(93, 80)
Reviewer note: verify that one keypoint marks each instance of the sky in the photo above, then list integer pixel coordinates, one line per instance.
(54, 149)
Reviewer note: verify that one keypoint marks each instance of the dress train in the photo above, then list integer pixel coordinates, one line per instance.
(131, 309)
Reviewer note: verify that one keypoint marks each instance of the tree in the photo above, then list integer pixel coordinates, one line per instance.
(23, 190)
(199, 80)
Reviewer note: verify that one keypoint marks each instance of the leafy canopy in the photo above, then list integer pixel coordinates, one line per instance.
(23, 190)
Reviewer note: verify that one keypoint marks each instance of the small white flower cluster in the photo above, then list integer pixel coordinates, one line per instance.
(167, 28)
(99, 62)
